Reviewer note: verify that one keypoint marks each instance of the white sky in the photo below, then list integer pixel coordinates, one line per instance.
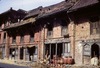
(25, 4)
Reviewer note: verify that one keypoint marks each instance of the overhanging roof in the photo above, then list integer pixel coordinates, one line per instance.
(33, 12)
(30, 20)
(53, 9)
(83, 3)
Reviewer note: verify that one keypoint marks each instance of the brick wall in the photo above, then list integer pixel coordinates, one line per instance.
(10, 40)
(82, 30)
(17, 40)
(57, 29)
(26, 38)
(2, 34)
(36, 36)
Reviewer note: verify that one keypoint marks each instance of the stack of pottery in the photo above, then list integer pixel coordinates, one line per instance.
(54, 59)
(65, 60)
(61, 61)
(68, 60)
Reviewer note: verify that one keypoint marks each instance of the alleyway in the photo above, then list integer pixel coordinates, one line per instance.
(3, 65)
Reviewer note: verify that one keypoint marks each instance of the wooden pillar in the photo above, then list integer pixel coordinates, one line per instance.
(24, 57)
(7, 47)
(56, 49)
(50, 51)
(63, 48)
(19, 53)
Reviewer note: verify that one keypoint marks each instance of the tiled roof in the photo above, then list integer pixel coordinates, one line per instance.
(53, 9)
(8, 11)
(33, 12)
(17, 24)
(83, 3)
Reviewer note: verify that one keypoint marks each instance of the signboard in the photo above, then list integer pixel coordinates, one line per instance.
(87, 50)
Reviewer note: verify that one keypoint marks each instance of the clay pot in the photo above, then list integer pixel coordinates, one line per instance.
(70, 60)
(58, 61)
(65, 60)
(61, 61)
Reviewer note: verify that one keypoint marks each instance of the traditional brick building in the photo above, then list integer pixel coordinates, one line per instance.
(85, 21)
(68, 28)
(7, 18)
(81, 39)
(54, 32)
(23, 37)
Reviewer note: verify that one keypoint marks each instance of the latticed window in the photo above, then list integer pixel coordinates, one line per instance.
(95, 25)
(14, 40)
(22, 39)
(4, 39)
(64, 30)
(50, 30)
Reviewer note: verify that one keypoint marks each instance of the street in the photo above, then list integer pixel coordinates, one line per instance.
(3, 65)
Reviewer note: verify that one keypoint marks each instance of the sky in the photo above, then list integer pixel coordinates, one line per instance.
(25, 4)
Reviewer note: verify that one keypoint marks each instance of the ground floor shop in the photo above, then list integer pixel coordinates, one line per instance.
(27, 53)
(57, 47)
(84, 50)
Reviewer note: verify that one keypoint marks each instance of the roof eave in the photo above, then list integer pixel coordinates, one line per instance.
(74, 10)
(51, 14)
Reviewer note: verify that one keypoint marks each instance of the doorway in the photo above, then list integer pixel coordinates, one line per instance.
(21, 53)
(31, 51)
(95, 51)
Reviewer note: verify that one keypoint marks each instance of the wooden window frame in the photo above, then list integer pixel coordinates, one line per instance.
(94, 25)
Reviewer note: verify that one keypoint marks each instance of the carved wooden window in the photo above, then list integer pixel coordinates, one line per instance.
(50, 30)
(4, 39)
(64, 30)
(95, 25)
(14, 40)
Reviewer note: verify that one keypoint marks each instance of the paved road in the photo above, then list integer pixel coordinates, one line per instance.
(3, 65)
